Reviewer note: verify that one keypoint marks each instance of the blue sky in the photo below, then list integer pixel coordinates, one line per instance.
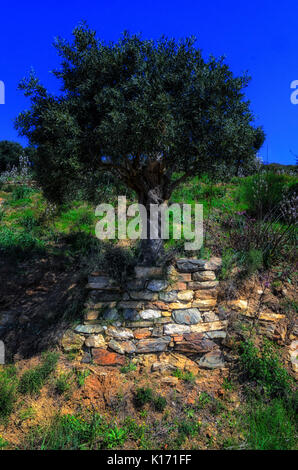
(258, 36)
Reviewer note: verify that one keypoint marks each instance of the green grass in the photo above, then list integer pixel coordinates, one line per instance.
(184, 375)
(271, 427)
(32, 381)
(8, 391)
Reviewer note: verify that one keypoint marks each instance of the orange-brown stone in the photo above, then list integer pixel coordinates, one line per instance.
(102, 357)
(142, 333)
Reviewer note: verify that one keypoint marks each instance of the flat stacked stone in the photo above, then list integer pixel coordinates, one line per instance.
(156, 312)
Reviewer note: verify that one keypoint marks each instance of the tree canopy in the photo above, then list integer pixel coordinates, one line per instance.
(151, 112)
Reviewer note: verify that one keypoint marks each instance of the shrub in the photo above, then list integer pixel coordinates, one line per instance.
(159, 403)
(143, 396)
(19, 243)
(62, 383)
(264, 367)
(128, 368)
(33, 380)
(21, 192)
(263, 192)
(184, 375)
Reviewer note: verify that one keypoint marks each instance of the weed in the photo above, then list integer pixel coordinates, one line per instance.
(128, 368)
(81, 376)
(143, 396)
(62, 383)
(8, 388)
(159, 403)
(184, 375)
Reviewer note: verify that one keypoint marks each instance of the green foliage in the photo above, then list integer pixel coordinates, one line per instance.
(264, 367)
(81, 376)
(19, 243)
(263, 192)
(184, 375)
(21, 192)
(8, 386)
(128, 368)
(118, 262)
(270, 426)
(33, 380)
(136, 83)
(63, 383)
(143, 396)
(159, 403)
(9, 154)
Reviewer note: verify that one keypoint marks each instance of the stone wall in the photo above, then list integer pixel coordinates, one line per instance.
(155, 312)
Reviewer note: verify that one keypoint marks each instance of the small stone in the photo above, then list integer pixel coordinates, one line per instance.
(185, 295)
(205, 304)
(142, 333)
(178, 338)
(179, 286)
(143, 295)
(150, 314)
(135, 284)
(86, 359)
(89, 329)
(204, 276)
(111, 314)
(239, 304)
(100, 305)
(293, 351)
(122, 347)
(157, 305)
(104, 296)
(174, 329)
(95, 341)
(91, 315)
(72, 341)
(190, 316)
(210, 316)
(197, 285)
(179, 305)
(209, 326)
(185, 265)
(101, 282)
(103, 357)
(135, 304)
(169, 296)
(130, 314)
(171, 381)
(162, 367)
(157, 285)
(212, 360)
(148, 272)
(119, 333)
(166, 313)
(216, 334)
(153, 345)
(201, 294)
(195, 343)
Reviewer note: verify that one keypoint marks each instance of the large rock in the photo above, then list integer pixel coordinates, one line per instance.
(157, 285)
(204, 276)
(102, 357)
(150, 314)
(143, 295)
(95, 341)
(72, 341)
(293, 352)
(153, 345)
(195, 343)
(122, 347)
(212, 360)
(119, 333)
(190, 316)
(170, 296)
(89, 329)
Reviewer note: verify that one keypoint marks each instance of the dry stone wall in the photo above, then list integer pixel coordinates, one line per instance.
(155, 312)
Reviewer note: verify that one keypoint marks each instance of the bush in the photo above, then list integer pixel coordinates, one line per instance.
(21, 192)
(159, 403)
(143, 396)
(62, 383)
(33, 380)
(264, 367)
(19, 243)
(263, 192)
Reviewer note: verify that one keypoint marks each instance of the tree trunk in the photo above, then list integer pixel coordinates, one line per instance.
(152, 250)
